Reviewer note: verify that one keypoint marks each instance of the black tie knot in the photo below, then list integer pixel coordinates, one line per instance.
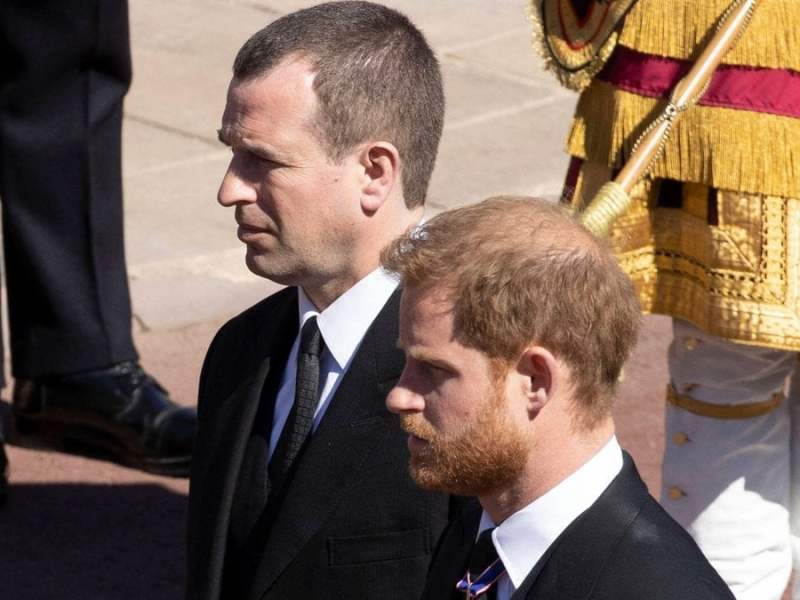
(483, 554)
(484, 570)
(311, 338)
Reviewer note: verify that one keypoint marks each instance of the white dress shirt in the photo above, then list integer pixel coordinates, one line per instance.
(525, 536)
(342, 325)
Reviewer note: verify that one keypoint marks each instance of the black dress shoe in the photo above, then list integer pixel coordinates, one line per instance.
(119, 414)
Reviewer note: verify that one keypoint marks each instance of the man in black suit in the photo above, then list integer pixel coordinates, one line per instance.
(299, 483)
(516, 322)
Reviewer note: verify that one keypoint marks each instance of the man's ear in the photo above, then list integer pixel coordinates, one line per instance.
(539, 369)
(381, 163)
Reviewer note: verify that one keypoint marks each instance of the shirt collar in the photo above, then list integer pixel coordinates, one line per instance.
(525, 536)
(344, 323)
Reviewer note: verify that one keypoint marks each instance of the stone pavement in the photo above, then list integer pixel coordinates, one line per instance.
(82, 529)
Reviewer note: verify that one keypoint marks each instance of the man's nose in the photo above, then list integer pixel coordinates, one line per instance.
(403, 399)
(234, 189)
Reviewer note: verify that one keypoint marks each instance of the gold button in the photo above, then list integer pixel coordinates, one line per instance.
(680, 438)
(676, 493)
(690, 343)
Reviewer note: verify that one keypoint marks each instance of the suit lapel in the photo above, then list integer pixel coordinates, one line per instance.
(573, 563)
(348, 432)
(231, 428)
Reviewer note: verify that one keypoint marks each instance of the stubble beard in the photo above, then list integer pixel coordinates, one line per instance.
(276, 264)
(488, 454)
(285, 265)
(267, 267)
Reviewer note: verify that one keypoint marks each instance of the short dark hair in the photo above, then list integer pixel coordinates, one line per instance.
(376, 77)
(523, 271)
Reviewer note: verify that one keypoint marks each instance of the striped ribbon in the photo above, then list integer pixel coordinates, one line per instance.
(485, 580)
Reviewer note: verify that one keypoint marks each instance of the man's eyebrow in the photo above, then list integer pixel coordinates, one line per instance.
(424, 356)
(410, 349)
(420, 355)
(259, 149)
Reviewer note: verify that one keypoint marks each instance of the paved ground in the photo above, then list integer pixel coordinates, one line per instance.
(81, 529)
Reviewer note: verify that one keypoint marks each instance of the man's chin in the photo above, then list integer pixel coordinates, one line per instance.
(456, 480)
(426, 479)
(264, 265)
(429, 478)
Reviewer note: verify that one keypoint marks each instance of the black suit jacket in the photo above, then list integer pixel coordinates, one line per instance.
(623, 547)
(352, 524)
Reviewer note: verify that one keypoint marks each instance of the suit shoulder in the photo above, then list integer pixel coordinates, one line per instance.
(656, 558)
(235, 345)
(260, 312)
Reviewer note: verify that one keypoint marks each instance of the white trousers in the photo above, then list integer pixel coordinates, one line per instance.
(734, 484)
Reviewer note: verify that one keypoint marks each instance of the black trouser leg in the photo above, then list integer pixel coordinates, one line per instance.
(64, 70)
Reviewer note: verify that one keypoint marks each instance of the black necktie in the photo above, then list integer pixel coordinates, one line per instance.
(481, 577)
(301, 417)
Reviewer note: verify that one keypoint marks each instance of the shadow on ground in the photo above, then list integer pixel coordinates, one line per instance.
(77, 542)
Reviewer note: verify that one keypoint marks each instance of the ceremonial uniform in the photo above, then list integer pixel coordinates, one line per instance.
(713, 239)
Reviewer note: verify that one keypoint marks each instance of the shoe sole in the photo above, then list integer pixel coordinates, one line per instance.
(86, 441)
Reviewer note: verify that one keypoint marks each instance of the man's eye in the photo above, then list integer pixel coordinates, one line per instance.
(251, 156)
(266, 161)
(435, 369)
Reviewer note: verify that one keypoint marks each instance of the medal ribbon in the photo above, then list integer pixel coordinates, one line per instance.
(485, 580)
